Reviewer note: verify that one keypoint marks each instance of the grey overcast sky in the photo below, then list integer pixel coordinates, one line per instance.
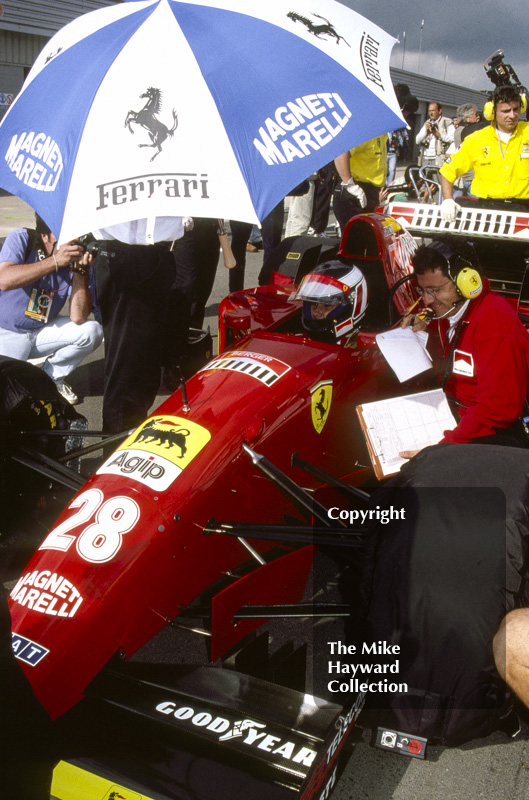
(457, 37)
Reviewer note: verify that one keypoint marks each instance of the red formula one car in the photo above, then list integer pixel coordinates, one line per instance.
(199, 513)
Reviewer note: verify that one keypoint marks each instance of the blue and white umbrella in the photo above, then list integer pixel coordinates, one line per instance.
(172, 108)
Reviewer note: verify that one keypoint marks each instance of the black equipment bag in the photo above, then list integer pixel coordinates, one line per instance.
(439, 582)
(29, 401)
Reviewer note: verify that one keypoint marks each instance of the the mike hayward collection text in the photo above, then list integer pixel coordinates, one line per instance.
(359, 672)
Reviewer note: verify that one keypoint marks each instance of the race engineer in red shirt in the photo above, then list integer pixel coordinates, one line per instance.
(482, 348)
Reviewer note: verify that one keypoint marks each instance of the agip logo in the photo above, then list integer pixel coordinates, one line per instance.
(320, 404)
(157, 452)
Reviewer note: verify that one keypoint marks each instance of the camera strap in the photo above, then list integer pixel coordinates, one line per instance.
(31, 245)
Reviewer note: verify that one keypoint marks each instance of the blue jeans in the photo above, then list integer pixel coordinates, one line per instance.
(392, 167)
(64, 343)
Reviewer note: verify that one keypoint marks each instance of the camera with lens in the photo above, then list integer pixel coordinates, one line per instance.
(85, 241)
(108, 251)
(502, 74)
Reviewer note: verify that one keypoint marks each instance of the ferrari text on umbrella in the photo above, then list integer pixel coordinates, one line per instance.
(369, 48)
(115, 193)
(328, 113)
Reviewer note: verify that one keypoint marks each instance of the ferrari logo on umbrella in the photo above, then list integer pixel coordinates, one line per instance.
(318, 30)
(320, 404)
(147, 118)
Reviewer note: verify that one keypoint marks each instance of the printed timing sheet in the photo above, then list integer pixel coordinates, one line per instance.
(410, 422)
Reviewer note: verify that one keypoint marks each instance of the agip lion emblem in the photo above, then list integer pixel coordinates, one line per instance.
(157, 451)
(175, 439)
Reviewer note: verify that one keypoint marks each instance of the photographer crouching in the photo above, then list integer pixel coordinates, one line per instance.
(36, 279)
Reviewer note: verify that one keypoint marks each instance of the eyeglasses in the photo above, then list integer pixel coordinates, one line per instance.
(431, 292)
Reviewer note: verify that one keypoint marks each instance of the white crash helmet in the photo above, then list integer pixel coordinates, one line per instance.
(338, 285)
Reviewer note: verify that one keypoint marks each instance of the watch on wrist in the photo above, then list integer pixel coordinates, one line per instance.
(78, 269)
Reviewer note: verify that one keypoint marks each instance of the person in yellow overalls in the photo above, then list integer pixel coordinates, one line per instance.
(498, 154)
(363, 173)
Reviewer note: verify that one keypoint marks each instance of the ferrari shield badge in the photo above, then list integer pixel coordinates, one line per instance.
(320, 404)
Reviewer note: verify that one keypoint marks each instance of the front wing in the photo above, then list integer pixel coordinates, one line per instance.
(168, 732)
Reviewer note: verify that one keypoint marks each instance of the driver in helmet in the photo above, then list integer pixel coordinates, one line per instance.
(334, 300)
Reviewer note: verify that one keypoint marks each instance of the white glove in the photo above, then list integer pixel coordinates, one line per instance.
(449, 209)
(189, 223)
(356, 191)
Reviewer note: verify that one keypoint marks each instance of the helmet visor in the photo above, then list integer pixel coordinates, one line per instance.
(325, 289)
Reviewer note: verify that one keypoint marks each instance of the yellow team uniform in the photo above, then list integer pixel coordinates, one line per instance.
(501, 169)
(368, 161)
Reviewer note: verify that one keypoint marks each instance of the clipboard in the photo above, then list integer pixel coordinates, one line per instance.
(371, 448)
(409, 422)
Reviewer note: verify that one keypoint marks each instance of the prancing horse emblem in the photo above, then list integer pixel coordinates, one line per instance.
(320, 404)
(318, 30)
(147, 118)
(52, 55)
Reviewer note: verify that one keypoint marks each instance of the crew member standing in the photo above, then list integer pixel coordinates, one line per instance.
(363, 173)
(498, 154)
(134, 279)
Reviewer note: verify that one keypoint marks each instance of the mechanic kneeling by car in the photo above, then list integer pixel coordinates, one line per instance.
(480, 347)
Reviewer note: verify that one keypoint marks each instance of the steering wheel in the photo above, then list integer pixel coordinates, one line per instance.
(392, 291)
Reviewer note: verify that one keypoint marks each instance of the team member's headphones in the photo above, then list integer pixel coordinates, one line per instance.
(488, 109)
(461, 271)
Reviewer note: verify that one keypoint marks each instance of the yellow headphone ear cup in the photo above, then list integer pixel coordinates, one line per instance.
(469, 283)
(488, 110)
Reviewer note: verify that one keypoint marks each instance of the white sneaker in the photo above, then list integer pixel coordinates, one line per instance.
(67, 392)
